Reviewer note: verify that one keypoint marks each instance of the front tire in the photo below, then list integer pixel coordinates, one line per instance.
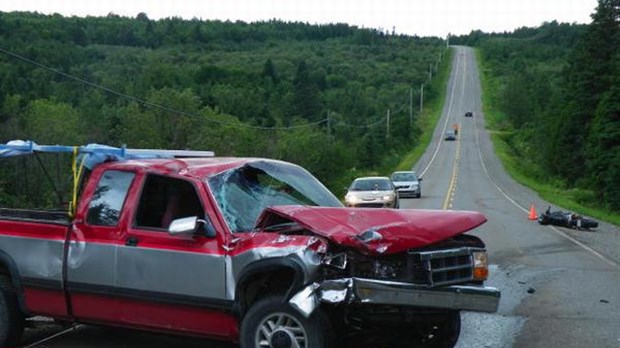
(11, 318)
(273, 323)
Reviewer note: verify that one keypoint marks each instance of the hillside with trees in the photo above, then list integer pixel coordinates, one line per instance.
(316, 95)
(554, 97)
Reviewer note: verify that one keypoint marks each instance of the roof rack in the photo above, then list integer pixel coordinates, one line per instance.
(19, 147)
(88, 156)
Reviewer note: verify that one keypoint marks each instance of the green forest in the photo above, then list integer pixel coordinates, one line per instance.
(315, 95)
(553, 96)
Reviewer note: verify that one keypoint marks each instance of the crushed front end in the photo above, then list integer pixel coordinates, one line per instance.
(447, 275)
(419, 291)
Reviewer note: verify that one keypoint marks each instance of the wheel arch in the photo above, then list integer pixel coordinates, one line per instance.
(283, 275)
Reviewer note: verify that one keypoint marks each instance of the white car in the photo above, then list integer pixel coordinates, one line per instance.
(372, 192)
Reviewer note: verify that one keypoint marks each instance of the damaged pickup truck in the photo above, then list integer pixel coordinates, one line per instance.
(253, 251)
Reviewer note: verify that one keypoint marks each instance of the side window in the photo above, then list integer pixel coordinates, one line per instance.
(164, 199)
(105, 207)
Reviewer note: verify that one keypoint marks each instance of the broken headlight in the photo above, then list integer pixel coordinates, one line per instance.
(338, 260)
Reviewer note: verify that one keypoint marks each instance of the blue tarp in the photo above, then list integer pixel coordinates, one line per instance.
(92, 154)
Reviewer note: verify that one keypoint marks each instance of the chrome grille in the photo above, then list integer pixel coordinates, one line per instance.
(370, 205)
(428, 268)
(442, 267)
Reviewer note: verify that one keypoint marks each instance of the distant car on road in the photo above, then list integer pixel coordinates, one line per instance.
(407, 184)
(469, 114)
(450, 135)
(372, 192)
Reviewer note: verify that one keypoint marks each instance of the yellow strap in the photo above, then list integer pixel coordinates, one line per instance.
(73, 172)
(77, 174)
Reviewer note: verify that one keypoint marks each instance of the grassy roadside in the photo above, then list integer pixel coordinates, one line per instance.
(431, 113)
(568, 199)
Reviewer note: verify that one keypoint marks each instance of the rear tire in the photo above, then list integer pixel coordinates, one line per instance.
(11, 318)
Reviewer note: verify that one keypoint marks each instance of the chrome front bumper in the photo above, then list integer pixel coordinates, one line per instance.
(371, 291)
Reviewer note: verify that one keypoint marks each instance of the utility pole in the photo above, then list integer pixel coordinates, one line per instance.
(430, 72)
(421, 97)
(410, 107)
(329, 123)
(387, 133)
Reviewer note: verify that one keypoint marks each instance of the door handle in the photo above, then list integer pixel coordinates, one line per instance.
(131, 241)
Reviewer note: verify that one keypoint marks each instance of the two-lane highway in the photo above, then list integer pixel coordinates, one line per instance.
(560, 288)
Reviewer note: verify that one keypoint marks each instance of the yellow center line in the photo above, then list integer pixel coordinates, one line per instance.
(447, 203)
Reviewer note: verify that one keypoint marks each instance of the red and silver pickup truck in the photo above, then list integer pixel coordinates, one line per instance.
(254, 251)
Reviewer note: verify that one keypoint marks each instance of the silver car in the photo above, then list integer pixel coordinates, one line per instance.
(407, 183)
(372, 192)
(450, 135)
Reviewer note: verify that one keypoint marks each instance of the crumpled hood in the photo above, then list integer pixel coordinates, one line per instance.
(379, 231)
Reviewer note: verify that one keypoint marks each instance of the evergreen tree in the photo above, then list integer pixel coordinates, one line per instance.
(588, 78)
(306, 99)
(269, 71)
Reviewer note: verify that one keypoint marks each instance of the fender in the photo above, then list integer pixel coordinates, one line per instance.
(265, 266)
(7, 262)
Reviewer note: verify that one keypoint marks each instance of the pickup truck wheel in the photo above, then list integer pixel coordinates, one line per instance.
(11, 318)
(272, 323)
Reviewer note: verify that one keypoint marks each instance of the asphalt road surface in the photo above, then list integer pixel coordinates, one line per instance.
(560, 287)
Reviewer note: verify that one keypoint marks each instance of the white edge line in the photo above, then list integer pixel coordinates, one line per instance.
(445, 124)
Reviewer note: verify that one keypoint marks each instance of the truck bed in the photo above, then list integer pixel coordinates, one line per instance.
(29, 215)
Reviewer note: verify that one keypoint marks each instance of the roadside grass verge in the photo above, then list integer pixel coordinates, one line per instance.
(552, 190)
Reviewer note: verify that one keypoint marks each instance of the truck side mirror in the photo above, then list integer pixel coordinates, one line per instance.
(191, 225)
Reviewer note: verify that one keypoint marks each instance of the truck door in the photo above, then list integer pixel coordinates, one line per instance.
(172, 282)
(91, 261)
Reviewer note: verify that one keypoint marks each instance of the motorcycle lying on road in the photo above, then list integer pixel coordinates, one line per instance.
(566, 219)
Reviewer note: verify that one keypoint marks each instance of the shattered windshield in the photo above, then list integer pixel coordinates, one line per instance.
(243, 193)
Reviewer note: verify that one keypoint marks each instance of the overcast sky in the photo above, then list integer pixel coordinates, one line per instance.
(413, 17)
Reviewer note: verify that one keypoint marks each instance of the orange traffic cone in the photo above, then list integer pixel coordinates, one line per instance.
(532, 215)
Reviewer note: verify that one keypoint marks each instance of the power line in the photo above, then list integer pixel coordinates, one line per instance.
(147, 103)
(187, 114)
(399, 110)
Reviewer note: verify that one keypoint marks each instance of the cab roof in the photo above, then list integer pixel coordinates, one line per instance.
(192, 167)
